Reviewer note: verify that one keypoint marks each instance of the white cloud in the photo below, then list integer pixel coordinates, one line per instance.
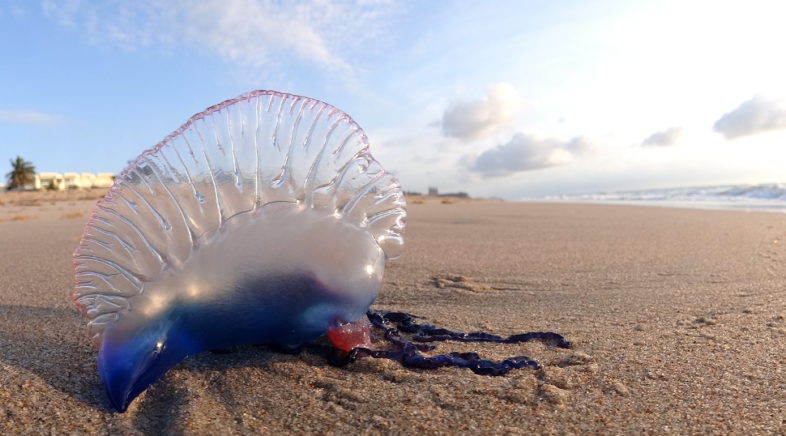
(28, 117)
(250, 33)
(757, 115)
(664, 138)
(525, 152)
(478, 118)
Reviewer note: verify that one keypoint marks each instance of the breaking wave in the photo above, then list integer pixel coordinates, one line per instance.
(765, 197)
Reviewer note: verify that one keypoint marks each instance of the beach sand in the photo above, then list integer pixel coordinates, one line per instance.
(677, 319)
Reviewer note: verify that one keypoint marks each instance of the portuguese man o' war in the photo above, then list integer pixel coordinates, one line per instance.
(262, 220)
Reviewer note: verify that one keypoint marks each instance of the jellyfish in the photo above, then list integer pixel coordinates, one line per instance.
(262, 220)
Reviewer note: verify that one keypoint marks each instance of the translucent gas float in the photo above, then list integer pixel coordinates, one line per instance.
(262, 220)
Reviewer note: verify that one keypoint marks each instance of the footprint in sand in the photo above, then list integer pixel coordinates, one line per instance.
(458, 282)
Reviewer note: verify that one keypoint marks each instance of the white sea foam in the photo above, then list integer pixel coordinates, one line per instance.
(770, 197)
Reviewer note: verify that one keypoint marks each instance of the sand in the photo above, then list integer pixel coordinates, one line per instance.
(32, 205)
(677, 319)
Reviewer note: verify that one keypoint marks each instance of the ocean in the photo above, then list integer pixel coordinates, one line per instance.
(769, 197)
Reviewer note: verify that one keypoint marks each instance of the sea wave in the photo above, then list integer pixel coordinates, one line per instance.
(767, 197)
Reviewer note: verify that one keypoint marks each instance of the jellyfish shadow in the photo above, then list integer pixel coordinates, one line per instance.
(164, 407)
(47, 343)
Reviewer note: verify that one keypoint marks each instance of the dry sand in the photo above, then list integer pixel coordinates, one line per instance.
(677, 319)
(32, 205)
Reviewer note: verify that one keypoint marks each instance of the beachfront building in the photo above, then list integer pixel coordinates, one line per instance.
(72, 180)
(64, 181)
(87, 180)
(47, 180)
(103, 180)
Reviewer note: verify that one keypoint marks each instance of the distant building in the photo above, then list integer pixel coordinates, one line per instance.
(434, 192)
(72, 180)
(47, 180)
(455, 194)
(87, 179)
(63, 181)
(104, 180)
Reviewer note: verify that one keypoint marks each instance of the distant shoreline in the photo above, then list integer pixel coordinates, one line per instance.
(763, 206)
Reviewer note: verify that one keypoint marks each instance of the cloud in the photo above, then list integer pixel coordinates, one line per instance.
(478, 118)
(525, 152)
(28, 117)
(664, 138)
(249, 33)
(757, 115)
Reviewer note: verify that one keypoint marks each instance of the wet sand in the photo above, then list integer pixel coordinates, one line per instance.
(677, 319)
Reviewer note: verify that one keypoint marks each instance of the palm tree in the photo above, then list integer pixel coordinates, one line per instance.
(23, 172)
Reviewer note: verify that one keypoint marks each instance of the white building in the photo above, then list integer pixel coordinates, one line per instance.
(63, 181)
(87, 180)
(104, 180)
(45, 180)
(72, 180)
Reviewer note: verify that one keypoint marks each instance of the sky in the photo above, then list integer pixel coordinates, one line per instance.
(513, 99)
